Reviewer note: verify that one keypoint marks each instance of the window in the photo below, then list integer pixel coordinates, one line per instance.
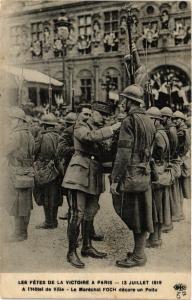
(36, 31)
(111, 28)
(84, 29)
(86, 89)
(183, 5)
(150, 10)
(15, 34)
(85, 25)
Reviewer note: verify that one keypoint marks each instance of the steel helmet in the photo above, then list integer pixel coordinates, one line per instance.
(133, 92)
(166, 111)
(154, 112)
(49, 119)
(70, 118)
(17, 113)
(179, 114)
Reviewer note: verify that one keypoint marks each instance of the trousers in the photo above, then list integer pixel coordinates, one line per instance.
(82, 206)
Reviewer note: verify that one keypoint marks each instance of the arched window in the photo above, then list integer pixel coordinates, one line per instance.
(170, 87)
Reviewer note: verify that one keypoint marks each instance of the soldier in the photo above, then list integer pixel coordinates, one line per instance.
(84, 178)
(170, 127)
(134, 146)
(20, 159)
(35, 128)
(160, 193)
(175, 191)
(65, 147)
(183, 151)
(49, 194)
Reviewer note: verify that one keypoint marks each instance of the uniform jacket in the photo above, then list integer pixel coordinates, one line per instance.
(84, 170)
(46, 144)
(134, 142)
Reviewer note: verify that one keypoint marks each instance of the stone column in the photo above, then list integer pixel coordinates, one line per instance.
(96, 79)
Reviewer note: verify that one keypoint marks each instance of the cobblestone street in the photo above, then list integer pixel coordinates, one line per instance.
(45, 250)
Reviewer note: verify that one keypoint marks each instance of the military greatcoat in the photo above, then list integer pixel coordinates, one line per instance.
(84, 172)
(134, 144)
(20, 151)
(45, 147)
(161, 196)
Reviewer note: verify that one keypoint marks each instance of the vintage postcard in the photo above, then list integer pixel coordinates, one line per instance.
(95, 149)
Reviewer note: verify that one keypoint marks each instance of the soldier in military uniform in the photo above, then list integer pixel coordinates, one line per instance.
(65, 147)
(84, 180)
(20, 160)
(49, 194)
(160, 193)
(134, 146)
(175, 191)
(183, 151)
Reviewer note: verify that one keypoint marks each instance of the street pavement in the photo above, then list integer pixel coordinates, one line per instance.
(45, 250)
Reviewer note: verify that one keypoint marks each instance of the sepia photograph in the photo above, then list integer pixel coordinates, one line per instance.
(95, 151)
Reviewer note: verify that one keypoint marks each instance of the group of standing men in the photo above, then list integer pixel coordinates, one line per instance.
(157, 139)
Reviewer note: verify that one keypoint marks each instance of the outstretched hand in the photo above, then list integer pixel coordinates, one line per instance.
(113, 188)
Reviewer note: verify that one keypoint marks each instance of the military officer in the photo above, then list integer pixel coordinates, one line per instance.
(84, 178)
(134, 146)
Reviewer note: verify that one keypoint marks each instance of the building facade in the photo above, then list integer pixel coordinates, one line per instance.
(88, 56)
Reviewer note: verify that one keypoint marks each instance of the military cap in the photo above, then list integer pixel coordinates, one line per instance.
(179, 114)
(102, 107)
(133, 92)
(49, 119)
(17, 113)
(166, 111)
(154, 112)
(70, 118)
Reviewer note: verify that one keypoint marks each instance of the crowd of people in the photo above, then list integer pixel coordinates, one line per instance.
(145, 152)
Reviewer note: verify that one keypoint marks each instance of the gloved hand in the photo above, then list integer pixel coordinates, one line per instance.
(113, 188)
(116, 126)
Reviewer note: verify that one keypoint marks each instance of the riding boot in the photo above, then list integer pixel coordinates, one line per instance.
(88, 249)
(72, 256)
(94, 236)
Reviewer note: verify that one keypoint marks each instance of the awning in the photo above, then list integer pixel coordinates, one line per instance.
(30, 75)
